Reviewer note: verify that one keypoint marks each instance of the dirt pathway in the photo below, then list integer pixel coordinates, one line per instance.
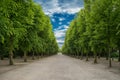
(60, 67)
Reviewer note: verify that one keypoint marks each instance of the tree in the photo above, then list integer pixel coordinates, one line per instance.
(95, 29)
(25, 28)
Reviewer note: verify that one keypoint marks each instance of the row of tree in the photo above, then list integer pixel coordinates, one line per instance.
(24, 30)
(95, 31)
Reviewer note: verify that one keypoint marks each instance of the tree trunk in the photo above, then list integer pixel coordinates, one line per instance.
(107, 56)
(33, 56)
(2, 57)
(119, 56)
(25, 57)
(77, 55)
(112, 58)
(110, 62)
(11, 62)
(38, 56)
(95, 58)
(81, 55)
(86, 56)
(99, 56)
(41, 55)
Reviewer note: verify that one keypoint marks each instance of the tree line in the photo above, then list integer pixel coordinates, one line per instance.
(95, 31)
(25, 30)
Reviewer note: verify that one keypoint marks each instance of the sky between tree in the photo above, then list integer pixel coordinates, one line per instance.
(61, 13)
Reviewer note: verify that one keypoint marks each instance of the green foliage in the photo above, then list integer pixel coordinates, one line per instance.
(115, 55)
(95, 29)
(24, 27)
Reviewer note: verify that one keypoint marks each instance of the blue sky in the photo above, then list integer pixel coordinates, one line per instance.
(61, 13)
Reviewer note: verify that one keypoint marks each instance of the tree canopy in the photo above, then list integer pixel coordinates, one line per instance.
(24, 27)
(95, 30)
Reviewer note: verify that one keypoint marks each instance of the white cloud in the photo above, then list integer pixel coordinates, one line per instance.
(61, 19)
(53, 19)
(68, 22)
(65, 26)
(60, 41)
(60, 27)
(60, 33)
(55, 6)
(60, 23)
(72, 10)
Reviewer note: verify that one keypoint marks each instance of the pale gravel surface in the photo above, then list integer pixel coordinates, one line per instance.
(60, 67)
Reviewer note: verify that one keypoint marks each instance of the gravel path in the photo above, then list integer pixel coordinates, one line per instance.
(60, 67)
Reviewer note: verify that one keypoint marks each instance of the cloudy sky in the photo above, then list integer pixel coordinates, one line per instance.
(61, 13)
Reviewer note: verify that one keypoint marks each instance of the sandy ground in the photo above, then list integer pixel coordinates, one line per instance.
(60, 67)
(5, 67)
